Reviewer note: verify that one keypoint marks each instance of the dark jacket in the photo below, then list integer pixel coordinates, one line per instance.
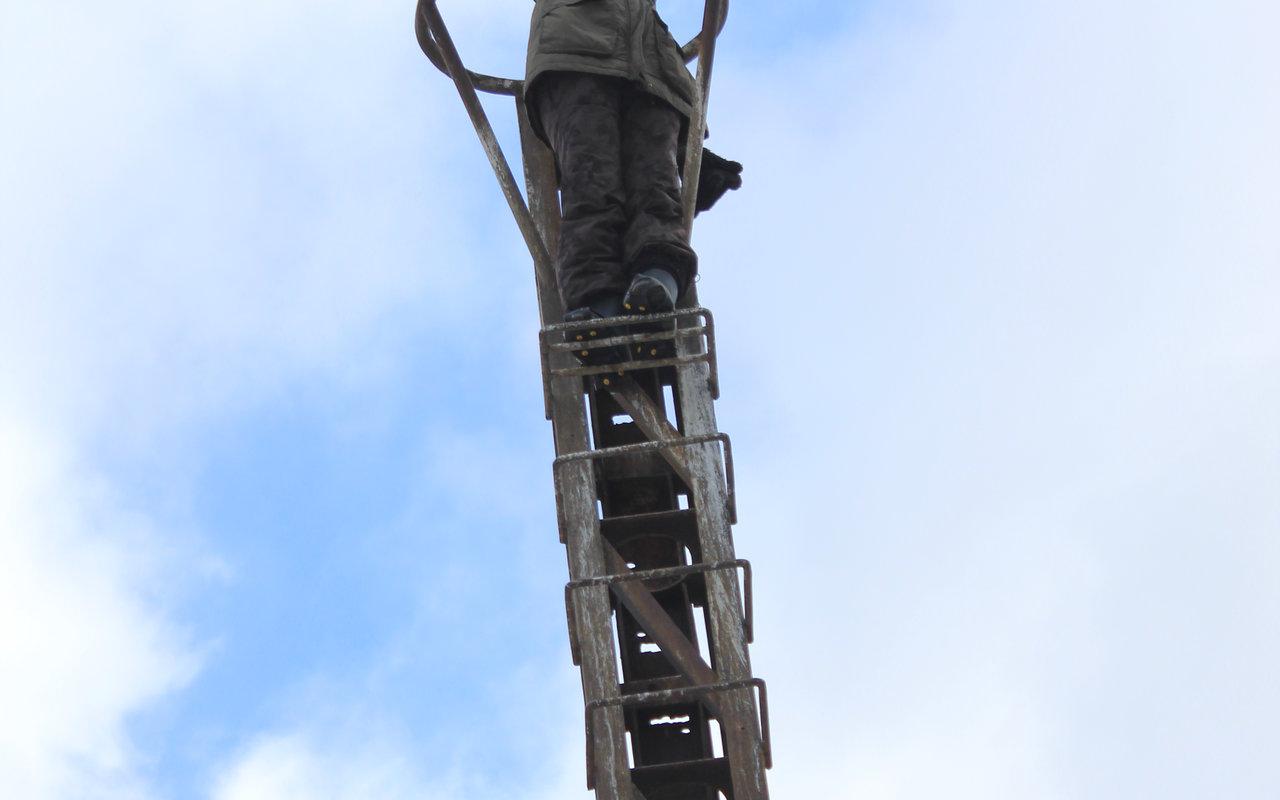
(621, 38)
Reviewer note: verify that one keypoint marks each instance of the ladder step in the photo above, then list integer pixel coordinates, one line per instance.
(653, 685)
(638, 467)
(696, 776)
(681, 525)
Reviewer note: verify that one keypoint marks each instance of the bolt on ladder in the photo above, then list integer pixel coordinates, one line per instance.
(659, 608)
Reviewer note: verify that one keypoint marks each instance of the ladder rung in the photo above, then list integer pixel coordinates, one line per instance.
(638, 467)
(702, 326)
(711, 772)
(653, 685)
(681, 525)
(634, 319)
(731, 498)
(625, 338)
(624, 367)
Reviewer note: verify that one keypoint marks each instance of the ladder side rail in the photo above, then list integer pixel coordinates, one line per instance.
(608, 772)
(544, 208)
(726, 633)
(743, 740)
(714, 14)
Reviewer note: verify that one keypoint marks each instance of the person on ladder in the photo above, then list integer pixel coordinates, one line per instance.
(607, 89)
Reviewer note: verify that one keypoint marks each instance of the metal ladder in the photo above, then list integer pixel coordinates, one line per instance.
(659, 608)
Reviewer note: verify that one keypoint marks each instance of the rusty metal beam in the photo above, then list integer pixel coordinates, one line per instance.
(682, 653)
(728, 638)
(544, 208)
(712, 22)
(485, 83)
(484, 130)
(646, 414)
(686, 693)
(609, 773)
(655, 574)
(744, 746)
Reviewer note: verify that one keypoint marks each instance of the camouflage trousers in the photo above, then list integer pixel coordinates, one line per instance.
(615, 148)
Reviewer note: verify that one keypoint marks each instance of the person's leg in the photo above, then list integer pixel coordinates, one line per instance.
(581, 115)
(656, 240)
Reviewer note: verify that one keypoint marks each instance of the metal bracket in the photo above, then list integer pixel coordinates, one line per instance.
(671, 696)
(690, 323)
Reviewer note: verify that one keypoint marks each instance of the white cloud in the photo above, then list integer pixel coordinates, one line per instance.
(1037, 251)
(290, 767)
(300, 766)
(82, 643)
(212, 202)
(1013, 311)
(202, 205)
(341, 746)
(1024, 507)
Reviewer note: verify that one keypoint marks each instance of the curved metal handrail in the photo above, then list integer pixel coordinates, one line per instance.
(691, 50)
(482, 82)
(512, 86)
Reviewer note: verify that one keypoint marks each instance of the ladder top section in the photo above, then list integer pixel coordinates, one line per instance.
(492, 84)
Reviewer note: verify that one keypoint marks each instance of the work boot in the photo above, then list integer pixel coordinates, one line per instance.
(600, 309)
(653, 291)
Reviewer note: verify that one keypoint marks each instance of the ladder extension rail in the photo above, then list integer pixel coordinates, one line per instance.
(438, 46)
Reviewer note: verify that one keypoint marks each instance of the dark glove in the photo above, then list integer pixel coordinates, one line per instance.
(718, 175)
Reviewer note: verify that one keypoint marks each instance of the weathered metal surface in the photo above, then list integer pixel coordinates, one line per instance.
(471, 101)
(712, 774)
(713, 17)
(485, 83)
(696, 329)
(693, 47)
(678, 649)
(625, 367)
(621, 577)
(651, 420)
(544, 208)
(622, 338)
(725, 493)
(576, 502)
(680, 525)
(667, 696)
(728, 640)
(643, 484)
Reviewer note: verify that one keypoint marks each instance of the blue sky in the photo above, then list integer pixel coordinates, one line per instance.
(1000, 361)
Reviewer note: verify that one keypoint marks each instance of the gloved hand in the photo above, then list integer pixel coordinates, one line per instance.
(717, 176)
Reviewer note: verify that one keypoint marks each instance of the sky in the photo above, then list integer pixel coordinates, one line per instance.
(999, 358)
